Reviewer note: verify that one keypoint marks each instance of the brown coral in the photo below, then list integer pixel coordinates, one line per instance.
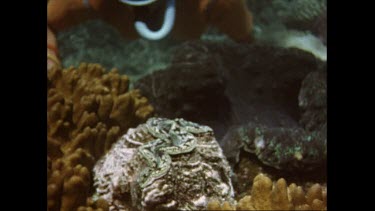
(216, 205)
(70, 180)
(98, 205)
(268, 195)
(87, 110)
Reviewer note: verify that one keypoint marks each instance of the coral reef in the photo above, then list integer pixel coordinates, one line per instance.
(284, 148)
(268, 195)
(87, 110)
(291, 148)
(249, 166)
(206, 81)
(190, 90)
(69, 180)
(269, 101)
(164, 164)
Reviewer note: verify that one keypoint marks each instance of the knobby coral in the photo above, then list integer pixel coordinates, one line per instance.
(98, 205)
(268, 195)
(87, 110)
(164, 164)
(69, 180)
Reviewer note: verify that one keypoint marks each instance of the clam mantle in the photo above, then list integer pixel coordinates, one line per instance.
(164, 164)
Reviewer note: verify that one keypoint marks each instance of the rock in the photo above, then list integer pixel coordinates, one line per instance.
(290, 148)
(164, 164)
(191, 89)
(312, 100)
(284, 148)
(230, 84)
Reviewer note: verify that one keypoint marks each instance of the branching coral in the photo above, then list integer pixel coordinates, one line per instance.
(69, 181)
(87, 110)
(268, 195)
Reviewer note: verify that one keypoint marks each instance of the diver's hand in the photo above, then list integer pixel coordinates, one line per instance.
(64, 13)
(57, 10)
(52, 54)
(233, 18)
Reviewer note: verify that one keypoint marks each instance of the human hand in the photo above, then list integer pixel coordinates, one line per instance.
(52, 54)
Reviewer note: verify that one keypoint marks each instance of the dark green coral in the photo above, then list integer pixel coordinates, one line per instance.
(300, 147)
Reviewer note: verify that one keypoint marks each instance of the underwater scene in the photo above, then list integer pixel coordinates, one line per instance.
(186, 105)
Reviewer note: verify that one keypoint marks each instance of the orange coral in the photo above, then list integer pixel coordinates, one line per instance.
(268, 195)
(87, 110)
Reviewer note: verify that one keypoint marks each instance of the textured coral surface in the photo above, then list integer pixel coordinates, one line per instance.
(227, 84)
(277, 95)
(284, 148)
(264, 89)
(269, 195)
(164, 164)
(87, 110)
